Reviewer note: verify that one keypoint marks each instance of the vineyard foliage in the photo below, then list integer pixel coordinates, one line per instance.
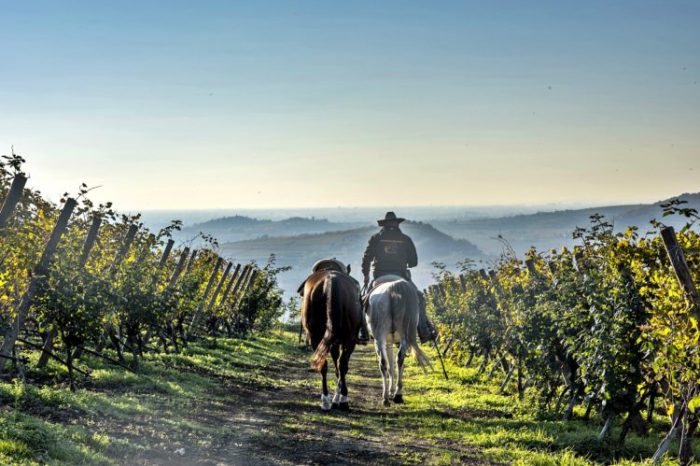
(119, 294)
(604, 328)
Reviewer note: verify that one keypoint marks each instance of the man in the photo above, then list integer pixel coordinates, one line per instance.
(391, 252)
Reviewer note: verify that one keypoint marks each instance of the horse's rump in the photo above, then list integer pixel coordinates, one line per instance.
(394, 314)
(331, 312)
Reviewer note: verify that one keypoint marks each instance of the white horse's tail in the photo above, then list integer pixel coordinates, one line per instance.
(407, 292)
(421, 357)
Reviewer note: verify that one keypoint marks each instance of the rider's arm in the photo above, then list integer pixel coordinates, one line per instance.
(411, 253)
(367, 258)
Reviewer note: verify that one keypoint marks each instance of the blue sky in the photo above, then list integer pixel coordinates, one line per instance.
(308, 103)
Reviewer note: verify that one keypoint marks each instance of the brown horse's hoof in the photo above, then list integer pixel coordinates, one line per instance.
(386, 403)
(398, 399)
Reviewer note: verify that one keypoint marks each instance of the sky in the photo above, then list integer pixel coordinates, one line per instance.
(280, 104)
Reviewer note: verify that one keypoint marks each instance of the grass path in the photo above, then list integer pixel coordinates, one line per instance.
(255, 402)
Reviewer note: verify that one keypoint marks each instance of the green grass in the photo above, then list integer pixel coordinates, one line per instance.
(469, 410)
(51, 424)
(227, 397)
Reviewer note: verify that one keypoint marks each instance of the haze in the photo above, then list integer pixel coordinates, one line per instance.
(205, 105)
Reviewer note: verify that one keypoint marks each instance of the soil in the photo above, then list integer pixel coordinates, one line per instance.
(269, 424)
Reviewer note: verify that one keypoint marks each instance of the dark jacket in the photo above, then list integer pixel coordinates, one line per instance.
(389, 251)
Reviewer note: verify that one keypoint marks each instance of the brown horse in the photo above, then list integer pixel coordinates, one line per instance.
(331, 315)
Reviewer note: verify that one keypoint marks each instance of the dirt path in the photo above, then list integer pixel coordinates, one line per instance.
(280, 423)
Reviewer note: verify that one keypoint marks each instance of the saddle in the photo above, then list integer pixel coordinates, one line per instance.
(331, 264)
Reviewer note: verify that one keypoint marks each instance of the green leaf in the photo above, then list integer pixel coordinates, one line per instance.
(694, 403)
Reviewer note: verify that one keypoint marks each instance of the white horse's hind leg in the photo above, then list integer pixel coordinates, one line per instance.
(392, 368)
(403, 349)
(380, 345)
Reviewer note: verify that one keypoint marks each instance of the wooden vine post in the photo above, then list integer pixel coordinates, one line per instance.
(219, 286)
(680, 267)
(688, 427)
(178, 270)
(243, 277)
(14, 195)
(251, 281)
(166, 253)
(190, 263)
(154, 281)
(247, 285)
(229, 286)
(85, 253)
(240, 291)
(121, 254)
(531, 269)
(179, 327)
(239, 287)
(231, 289)
(90, 240)
(163, 260)
(207, 290)
(40, 272)
(112, 270)
(252, 273)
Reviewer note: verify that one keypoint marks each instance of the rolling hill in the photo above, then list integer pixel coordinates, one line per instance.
(301, 251)
(299, 241)
(546, 230)
(240, 228)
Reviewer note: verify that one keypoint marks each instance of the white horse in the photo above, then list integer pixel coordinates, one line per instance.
(393, 318)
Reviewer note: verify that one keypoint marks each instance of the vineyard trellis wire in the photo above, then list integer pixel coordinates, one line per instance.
(610, 326)
(83, 279)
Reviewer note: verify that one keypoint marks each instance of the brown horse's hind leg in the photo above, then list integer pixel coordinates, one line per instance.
(335, 355)
(325, 397)
(344, 402)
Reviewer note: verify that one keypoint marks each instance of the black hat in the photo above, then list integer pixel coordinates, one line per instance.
(390, 217)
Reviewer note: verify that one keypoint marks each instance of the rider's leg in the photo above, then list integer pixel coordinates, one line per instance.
(363, 334)
(426, 330)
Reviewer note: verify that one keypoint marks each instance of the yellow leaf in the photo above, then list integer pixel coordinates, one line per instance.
(694, 404)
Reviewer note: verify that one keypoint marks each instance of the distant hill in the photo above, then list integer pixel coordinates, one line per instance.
(240, 228)
(546, 230)
(301, 251)
(299, 241)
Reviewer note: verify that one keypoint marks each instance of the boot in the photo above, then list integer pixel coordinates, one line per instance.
(363, 334)
(426, 329)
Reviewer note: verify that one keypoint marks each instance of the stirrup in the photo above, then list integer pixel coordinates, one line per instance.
(362, 338)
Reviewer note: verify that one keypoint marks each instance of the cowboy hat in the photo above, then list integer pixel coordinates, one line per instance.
(390, 217)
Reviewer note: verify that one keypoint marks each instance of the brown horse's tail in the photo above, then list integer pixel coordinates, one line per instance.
(331, 289)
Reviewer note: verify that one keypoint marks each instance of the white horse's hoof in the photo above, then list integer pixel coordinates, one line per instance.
(398, 398)
(326, 403)
(386, 403)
